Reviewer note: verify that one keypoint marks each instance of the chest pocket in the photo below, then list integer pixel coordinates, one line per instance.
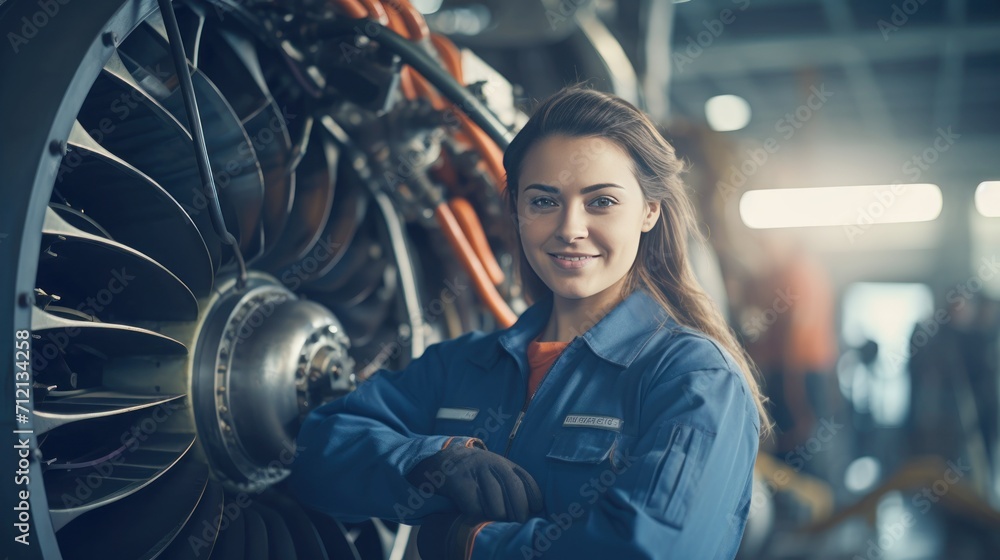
(579, 467)
(583, 445)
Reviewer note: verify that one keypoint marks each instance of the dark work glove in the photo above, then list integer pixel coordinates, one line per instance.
(479, 482)
(445, 536)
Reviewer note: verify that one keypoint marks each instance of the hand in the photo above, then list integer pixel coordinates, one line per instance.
(480, 483)
(445, 536)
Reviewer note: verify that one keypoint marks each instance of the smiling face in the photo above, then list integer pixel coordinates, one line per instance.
(578, 197)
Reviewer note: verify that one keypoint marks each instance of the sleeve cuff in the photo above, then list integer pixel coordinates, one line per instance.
(486, 538)
(412, 452)
(417, 449)
(464, 441)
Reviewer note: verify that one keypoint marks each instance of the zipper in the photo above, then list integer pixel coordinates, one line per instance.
(517, 424)
(524, 409)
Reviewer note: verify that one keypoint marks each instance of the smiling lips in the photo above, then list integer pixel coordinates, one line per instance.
(571, 261)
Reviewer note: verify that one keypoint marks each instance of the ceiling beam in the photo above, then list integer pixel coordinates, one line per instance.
(793, 53)
(867, 94)
(695, 13)
(947, 94)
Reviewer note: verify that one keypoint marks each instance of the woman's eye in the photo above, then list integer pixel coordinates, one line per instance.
(610, 201)
(536, 201)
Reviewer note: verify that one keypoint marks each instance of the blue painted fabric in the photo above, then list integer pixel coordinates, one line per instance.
(642, 437)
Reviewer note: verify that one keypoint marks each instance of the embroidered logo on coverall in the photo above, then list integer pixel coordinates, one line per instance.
(590, 421)
(457, 413)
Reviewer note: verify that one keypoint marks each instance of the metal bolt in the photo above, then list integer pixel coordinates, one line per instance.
(58, 147)
(25, 300)
(109, 38)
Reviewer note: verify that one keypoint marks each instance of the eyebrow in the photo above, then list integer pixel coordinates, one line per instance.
(584, 190)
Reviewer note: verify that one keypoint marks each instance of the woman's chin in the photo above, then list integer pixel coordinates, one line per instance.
(572, 292)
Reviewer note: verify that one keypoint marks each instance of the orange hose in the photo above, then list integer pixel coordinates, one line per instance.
(413, 19)
(505, 316)
(450, 55)
(352, 8)
(464, 232)
(425, 89)
(414, 27)
(406, 74)
(376, 11)
(452, 60)
(407, 84)
(487, 148)
(473, 229)
(491, 153)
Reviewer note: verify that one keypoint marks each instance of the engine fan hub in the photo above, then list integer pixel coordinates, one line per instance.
(265, 359)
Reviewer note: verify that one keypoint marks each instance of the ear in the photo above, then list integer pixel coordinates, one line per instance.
(652, 215)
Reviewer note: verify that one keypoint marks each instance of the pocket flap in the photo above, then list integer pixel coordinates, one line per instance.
(582, 445)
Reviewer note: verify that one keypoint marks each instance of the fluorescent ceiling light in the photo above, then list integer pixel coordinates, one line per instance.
(840, 206)
(988, 199)
(727, 112)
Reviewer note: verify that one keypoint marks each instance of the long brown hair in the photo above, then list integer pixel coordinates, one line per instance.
(662, 265)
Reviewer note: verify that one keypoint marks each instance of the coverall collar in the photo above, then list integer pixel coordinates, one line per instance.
(617, 338)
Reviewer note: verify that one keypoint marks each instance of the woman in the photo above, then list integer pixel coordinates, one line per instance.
(618, 418)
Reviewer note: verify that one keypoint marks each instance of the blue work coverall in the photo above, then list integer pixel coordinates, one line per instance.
(642, 437)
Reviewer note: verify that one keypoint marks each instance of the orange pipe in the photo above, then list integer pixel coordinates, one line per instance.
(464, 212)
(488, 293)
(452, 60)
(407, 84)
(491, 153)
(406, 74)
(352, 8)
(410, 23)
(475, 255)
(473, 229)
(413, 19)
(414, 27)
(425, 89)
(406, 20)
(376, 11)
(450, 55)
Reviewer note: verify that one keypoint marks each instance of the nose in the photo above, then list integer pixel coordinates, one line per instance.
(573, 225)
